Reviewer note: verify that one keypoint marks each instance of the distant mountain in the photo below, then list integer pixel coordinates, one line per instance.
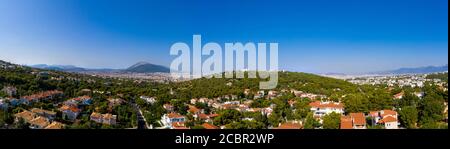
(144, 67)
(68, 68)
(141, 67)
(418, 70)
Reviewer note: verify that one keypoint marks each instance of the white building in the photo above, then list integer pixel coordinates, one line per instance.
(168, 120)
(388, 118)
(323, 108)
(150, 100)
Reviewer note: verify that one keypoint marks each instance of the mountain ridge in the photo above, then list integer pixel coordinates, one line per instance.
(416, 70)
(140, 67)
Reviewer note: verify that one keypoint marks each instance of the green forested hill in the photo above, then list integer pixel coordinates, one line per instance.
(310, 83)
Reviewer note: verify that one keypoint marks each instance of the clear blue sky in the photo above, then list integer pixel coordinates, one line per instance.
(314, 36)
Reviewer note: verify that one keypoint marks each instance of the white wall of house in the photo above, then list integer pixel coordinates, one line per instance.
(391, 125)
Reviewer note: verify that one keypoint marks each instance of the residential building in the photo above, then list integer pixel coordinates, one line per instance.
(353, 121)
(26, 115)
(358, 120)
(168, 107)
(39, 123)
(209, 126)
(178, 125)
(10, 90)
(346, 122)
(399, 95)
(3, 103)
(290, 125)
(55, 125)
(107, 118)
(194, 111)
(42, 96)
(387, 118)
(96, 117)
(15, 102)
(115, 102)
(150, 100)
(171, 118)
(70, 112)
(320, 108)
(44, 113)
(83, 100)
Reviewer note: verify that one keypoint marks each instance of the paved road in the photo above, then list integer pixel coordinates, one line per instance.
(142, 123)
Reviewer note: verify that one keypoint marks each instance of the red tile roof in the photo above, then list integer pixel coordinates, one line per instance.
(193, 109)
(55, 125)
(71, 108)
(397, 96)
(42, 95)
(374, 113)
(175, 115)
(179, 125)
(346, 122)
(388, 119)
(388, 112)
(203, 116)
(26, 115)
(290, 125)
(358, 118)
(209, 126)
(319, 104)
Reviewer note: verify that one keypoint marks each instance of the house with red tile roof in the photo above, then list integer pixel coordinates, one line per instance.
(209, 126)
(39, 123)
(388, 118)
(353, 121)
(36, 120)
(399, 95)
(359, 120)
(45, 113)
(193, 110)
(26, 115)
(47, 95)
(346, 122)
(207, 117)
(168, 107)
(70, 112)
(290, 125)
(83, 100)
(55, 125)
(321, 108)
(107, 118)
(172, 118)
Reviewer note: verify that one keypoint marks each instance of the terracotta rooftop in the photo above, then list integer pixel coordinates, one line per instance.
(109, 116)
(175, 115)
(193, 109)
(346, 122)
(358, 118)
(42, 111)
(26, 115)
(71, 108)
(40, 121)
(203, 116)
(319, 104)
(96, 115)
(387, 113)
(209, 126)
(55, 125)
(290, 125)
(388, 119)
